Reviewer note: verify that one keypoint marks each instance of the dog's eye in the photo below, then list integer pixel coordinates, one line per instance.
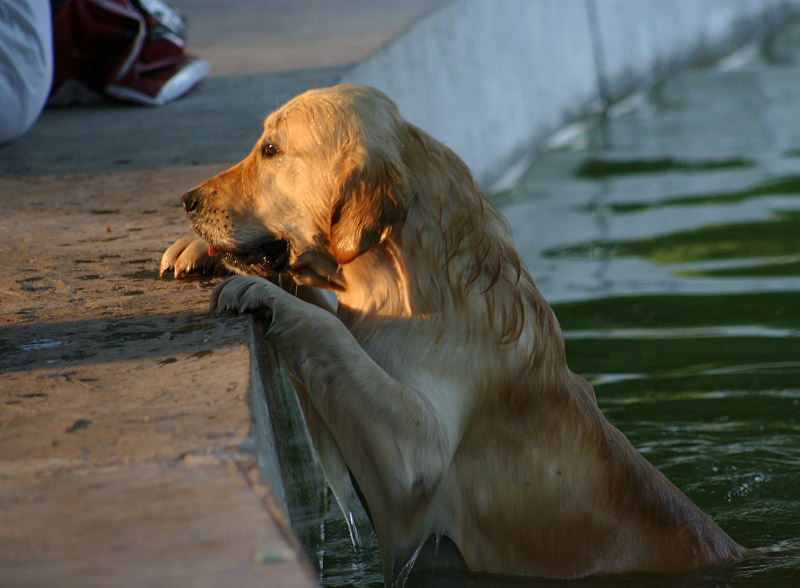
(269, 149)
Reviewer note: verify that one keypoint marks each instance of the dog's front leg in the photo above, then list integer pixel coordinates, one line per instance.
(392, 438)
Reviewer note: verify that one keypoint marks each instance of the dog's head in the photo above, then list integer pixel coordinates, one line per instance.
(323, 185)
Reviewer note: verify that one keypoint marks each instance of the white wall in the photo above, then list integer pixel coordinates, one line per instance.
(493, 78)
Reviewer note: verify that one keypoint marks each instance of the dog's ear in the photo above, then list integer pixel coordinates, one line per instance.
(369, 201)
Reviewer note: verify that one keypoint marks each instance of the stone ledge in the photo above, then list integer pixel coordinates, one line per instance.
(125, 456)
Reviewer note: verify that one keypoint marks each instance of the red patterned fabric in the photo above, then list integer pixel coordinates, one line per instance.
(128, 49)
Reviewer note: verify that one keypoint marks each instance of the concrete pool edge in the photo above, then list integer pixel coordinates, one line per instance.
(479, 78)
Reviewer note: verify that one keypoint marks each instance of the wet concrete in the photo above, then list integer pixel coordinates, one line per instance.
(124, 451)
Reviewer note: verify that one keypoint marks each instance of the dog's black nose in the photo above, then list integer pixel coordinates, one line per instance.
(189, 201)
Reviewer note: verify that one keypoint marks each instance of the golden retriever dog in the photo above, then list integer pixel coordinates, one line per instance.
(437, 388)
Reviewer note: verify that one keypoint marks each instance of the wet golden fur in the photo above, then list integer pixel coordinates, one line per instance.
(440, 381)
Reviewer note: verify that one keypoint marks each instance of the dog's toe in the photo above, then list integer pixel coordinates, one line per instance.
(189, 255)
(242, 294)
(171, 255)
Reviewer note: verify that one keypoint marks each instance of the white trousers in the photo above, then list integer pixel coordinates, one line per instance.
(26, 64)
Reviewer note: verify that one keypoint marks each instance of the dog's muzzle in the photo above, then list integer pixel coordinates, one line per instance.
(268, 255)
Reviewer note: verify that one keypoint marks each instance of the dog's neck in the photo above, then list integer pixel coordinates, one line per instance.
(378, 284)
(448, 266)
(394, 282)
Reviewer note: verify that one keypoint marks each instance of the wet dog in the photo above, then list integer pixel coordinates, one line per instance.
(438, 385)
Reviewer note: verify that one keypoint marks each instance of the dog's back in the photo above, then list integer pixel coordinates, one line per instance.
(540, 482)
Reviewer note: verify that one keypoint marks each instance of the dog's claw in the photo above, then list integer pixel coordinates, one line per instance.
(189, 255)
(243, 294)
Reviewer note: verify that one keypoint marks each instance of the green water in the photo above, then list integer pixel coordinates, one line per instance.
(667, 238)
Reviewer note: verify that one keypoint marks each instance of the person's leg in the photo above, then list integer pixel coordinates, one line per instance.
(26, 64)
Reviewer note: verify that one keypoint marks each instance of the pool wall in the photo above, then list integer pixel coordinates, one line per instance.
(493, 79)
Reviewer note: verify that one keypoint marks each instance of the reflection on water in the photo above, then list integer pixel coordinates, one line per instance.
(774, 238)
(671, 254)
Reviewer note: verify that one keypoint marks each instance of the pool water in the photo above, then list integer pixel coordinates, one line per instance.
(666, 236)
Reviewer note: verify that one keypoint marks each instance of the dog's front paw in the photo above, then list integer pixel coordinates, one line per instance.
(189, 255)
(245, 294)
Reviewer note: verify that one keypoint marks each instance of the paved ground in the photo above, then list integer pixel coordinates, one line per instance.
(124, 453)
